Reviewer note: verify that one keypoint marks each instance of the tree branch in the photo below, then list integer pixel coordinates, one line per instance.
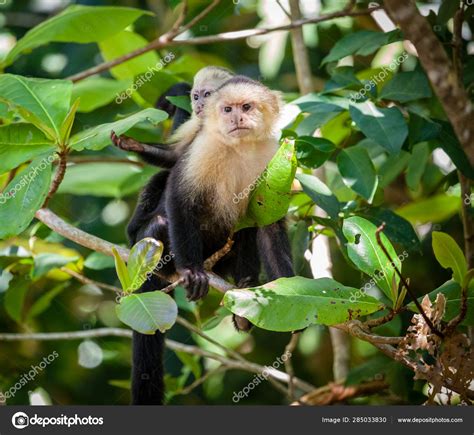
(166, 40)
(439, 69)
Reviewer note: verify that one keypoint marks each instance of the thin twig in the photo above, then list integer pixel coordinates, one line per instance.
(289, 351)
(405, 283)
(84, 280)
(218, 255)
(199, 17)
(59, 176)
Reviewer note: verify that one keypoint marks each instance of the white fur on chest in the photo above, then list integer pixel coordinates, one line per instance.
(222, 173)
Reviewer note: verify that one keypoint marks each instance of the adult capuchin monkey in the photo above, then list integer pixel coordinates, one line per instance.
(206, 81)
(196, 213)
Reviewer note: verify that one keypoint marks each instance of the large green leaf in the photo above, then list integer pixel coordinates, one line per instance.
(20, 142)
(449, 255)
(45, 262)
(407, 86)
(96, 92)
(320, 194)
(122, 271)
(148, 312)
(23, 196)
(361, 43)
(417, 165)
(312, 152)
(358, 171)
(387, 127)
(81, 24)
(397, 229)
(123, 43)
(435, 209)
(44, 302)
(143, 259)
(15, 299)
(452, 291)
(367, 255)
(98, 137)
(44, 103)
(290, 304)
(270, 200)
(114, 180)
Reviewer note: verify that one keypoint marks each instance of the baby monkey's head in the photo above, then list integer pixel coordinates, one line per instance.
(206, 81)
(243, 108)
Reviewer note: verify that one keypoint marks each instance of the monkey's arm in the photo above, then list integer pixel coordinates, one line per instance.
(186, 242)
(152, 154)
(275, 252)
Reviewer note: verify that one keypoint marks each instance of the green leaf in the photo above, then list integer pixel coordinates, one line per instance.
(15, 299)
(291, 304)
(451, 146)
(66, 128)
(45, 262)
(452, 291)
(113, 180)
(81, 24)
(98, 137)
(122, 271)
(182, 101)
(392, 168)
(449, 255)
(358, 171)
(148, 312)
(447, 10)
(125, 42)
(361, 43)
(44, 103)
(367, 255)
(143, 259)
(387, 127)
(44, 302)
(99, 261)
(435, 209)
(407, 86)
(312, 152)
(397, 229)
(417, 165)
(19, 143)
(422, 129)
(95, 92)
(23, 196)
(320, 194)
(271, 193)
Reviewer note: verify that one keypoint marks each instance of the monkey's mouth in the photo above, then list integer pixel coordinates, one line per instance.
(240, 130)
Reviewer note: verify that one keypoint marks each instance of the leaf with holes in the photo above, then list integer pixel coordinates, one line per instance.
(148, 312)
(291, 304)
(367, 255)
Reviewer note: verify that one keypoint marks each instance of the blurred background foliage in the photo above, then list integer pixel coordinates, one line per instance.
(99, 198)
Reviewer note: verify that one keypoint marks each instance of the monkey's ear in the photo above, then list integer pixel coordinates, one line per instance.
(276, 101)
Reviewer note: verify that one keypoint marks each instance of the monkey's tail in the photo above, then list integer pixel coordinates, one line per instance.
(147, 365)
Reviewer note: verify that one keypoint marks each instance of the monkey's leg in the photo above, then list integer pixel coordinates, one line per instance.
(186, 241)
(152, 154)
(274, 250)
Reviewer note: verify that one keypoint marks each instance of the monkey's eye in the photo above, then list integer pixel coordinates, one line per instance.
(227, 109)
(196, 97)
(246, 107)
(206, 94)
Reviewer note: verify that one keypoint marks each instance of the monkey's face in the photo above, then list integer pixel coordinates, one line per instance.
(240, 118)
(198, 98)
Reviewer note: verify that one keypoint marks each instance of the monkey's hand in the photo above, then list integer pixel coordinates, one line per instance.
(126, 143)
(196, 283)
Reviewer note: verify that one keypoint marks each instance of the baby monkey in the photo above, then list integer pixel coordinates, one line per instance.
(206, 81)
